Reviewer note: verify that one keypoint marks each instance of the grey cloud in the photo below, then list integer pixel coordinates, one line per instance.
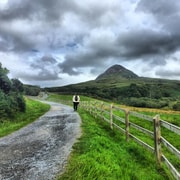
(147, 42)
(16, 40)
(48, 60)
(165, 12)
(157, 61)
(168, 73)
(70, 70)
(75, 61)
(41, 9)
(44, 61)
(42, 20)
(46, 18)
(45, 75)
(97, 14)
(46, 67)
(160, 8)
(166, 40)
(3, 45)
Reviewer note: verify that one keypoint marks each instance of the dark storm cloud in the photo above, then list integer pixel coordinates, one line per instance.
(146, 42)
(74, 61)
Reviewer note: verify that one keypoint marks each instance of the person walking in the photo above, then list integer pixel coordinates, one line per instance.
(76, 100)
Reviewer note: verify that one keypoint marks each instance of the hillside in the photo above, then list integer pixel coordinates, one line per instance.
(117, 71)
(119, 84)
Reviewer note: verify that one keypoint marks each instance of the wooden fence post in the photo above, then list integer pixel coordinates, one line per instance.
(111, 116)
(127, 124)
(157, 138)
(102, 104)
(90, 107)
(95, 110)
(87, 105)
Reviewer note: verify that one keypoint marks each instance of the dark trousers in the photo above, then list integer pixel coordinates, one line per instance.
(75, 104)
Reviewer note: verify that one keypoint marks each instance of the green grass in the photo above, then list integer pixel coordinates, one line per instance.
(173, 138)
(34, 109)
(104, 154)
(60, 98)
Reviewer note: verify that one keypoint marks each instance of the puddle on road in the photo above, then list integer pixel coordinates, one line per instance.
(56, 108)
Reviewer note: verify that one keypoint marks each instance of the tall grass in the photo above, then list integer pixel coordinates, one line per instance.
(34, 109)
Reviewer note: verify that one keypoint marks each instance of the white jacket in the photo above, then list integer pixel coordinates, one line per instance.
(78, 98)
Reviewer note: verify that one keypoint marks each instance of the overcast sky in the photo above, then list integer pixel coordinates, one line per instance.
(60, 42)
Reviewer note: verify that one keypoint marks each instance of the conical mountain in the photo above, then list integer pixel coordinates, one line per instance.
(117, 71)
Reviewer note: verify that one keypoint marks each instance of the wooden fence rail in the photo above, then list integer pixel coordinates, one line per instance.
(110, 114)
(170, 126)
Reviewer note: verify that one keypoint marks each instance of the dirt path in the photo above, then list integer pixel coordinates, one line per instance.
(40, 150)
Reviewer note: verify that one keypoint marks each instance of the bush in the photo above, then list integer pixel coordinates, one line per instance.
(145, 102)
(176, 106)
(12, 100)
(21, 103)
(4, 108)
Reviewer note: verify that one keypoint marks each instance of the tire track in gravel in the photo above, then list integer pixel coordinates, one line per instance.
(40, 150)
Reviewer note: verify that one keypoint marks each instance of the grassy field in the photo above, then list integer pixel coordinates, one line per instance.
(102, 153)
(34, 109)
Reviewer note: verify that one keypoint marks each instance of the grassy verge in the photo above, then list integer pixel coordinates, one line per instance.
(103, 154)
(34, 109)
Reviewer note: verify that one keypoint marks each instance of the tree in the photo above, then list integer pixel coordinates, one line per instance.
(176, 106)
(11, 91)
(5, 83)
(17, 85)
(133, 90)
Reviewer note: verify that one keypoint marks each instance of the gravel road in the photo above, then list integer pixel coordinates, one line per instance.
(40, 150)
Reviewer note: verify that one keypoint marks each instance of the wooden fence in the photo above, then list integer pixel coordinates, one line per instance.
(122, 120)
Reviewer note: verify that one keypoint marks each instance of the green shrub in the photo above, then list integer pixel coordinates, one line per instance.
(12, 100)
(145, 102)
(176, 106)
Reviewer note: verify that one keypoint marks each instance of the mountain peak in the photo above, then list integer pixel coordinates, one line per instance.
(117, 71)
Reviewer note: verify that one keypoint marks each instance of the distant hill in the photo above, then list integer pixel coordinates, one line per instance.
(121, 85)
(117, 71)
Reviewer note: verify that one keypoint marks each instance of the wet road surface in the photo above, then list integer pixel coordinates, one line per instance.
(40, 150)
